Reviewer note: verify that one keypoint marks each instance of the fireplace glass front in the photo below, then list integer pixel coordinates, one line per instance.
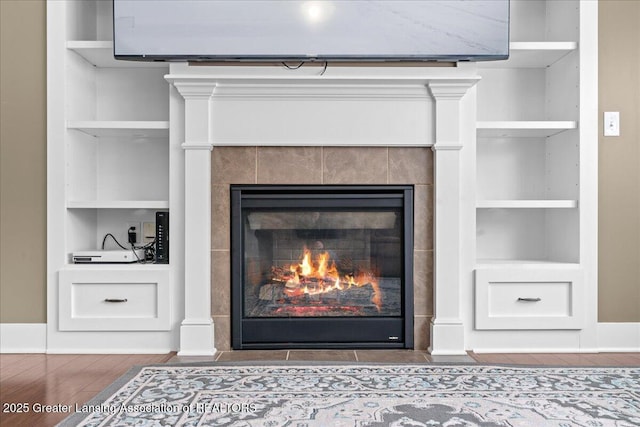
(321, 266)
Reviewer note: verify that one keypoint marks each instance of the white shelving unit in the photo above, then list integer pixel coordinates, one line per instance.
(534, 153)
(109, 161)
(531, 209)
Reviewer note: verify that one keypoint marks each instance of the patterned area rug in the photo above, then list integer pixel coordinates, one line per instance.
(366, 395)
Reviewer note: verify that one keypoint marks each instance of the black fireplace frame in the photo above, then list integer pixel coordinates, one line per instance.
(327, 332)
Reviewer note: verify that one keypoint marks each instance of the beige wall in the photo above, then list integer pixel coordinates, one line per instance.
(23, 162)
(619, 176)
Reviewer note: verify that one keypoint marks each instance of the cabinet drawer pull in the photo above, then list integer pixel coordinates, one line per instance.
(115, 300)
(530, 299)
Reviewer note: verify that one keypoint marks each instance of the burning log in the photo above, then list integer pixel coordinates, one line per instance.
(320, 281)
(271, 292)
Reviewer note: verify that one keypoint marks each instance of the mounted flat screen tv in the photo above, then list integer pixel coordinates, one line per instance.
(317, 30)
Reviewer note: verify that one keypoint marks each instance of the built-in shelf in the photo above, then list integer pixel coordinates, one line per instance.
(524, 263)
(533, 54)
(526, 204)
(116, 267)
(136, 129)
(118, 204)
(100, 54)
(522, 129)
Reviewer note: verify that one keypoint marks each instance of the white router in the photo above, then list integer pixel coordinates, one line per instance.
(108, 257)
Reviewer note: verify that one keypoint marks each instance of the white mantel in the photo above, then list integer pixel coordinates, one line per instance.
(340, 106)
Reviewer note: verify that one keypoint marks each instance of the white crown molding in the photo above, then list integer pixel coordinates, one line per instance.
(450, 90)
(197, 145)
(194, 90)
(322, 90)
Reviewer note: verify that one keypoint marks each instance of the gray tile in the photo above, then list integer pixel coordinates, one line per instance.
(220, 278)
(423, 220)
(423, 283)
(289, 165)
(410, 165)
(421, 332)
(253, 355)
(222, 332)
(323, 355)
(351, 165)
(220, 218)
(233, 165)
(452, 359)
(392, 356)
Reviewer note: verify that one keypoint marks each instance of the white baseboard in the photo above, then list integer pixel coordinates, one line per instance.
(611, 337)
(619, 337)
(23, 337)
(529, 350)
(109, 351)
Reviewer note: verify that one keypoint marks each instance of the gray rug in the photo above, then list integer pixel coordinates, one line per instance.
(366, 395)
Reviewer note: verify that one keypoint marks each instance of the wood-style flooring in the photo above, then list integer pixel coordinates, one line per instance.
(31, 381)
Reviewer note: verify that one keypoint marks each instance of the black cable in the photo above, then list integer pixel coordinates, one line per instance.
(287, 66)
(149, 249)
(148, 245)
(114, 239)
(133, 249)
(325, 68)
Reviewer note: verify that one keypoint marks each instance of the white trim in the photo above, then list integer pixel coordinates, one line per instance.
(328, 143)
(321, 90)
(23, 337)
(619, 337)
(532, 350)
(110, 350)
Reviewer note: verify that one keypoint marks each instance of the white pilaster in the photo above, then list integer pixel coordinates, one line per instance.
(197, 329)
(447, 326)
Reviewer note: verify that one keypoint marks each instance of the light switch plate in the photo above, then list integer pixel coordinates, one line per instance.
(611, 123)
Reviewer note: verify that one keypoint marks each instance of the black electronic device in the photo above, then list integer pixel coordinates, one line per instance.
(162, 237)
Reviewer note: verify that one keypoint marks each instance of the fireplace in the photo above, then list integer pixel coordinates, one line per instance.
(322, 266)
(367, 113)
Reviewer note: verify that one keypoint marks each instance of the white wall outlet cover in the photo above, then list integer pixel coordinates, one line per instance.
(611, 123)
(148, 232)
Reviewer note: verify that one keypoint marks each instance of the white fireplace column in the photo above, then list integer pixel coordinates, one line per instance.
(447, 326)
(196, 330)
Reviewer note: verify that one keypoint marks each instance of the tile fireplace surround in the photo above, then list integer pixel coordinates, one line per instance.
(397, 125)
(322, 165)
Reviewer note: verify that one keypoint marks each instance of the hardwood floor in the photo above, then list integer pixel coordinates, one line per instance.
(39, 379)
(561, 359)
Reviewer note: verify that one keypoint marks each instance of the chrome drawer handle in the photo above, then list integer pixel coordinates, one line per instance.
(115, 300)
(530, 299)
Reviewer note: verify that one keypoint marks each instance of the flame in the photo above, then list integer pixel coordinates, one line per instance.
(319, 276)
(306, 269)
